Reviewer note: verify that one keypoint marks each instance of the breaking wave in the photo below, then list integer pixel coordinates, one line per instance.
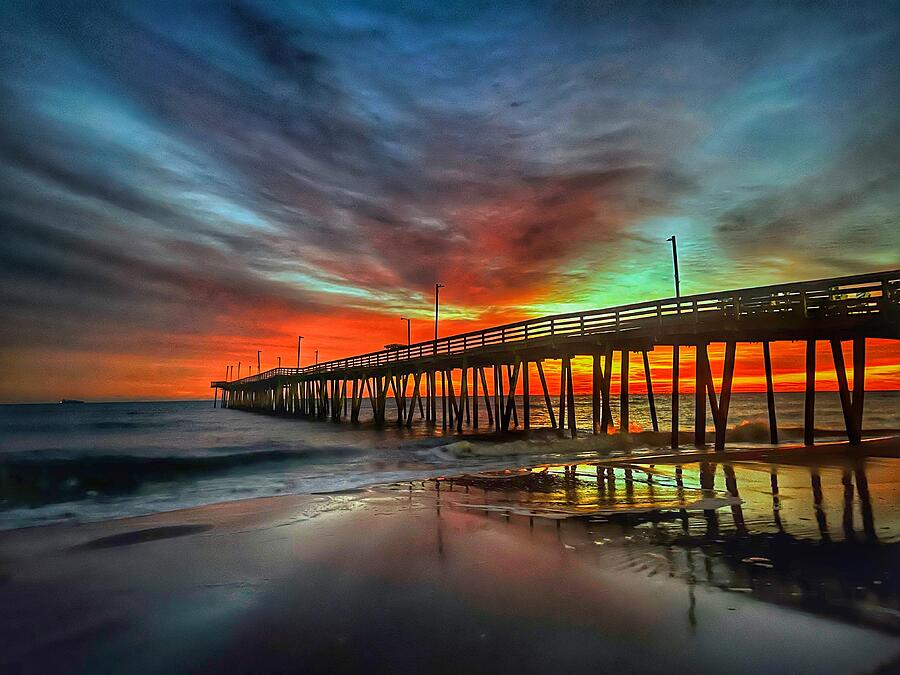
(29, 478)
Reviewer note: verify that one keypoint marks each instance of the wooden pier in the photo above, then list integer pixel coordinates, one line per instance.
(834, 310)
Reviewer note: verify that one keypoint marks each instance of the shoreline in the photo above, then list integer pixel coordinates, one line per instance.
(840, 451)
(637, 569)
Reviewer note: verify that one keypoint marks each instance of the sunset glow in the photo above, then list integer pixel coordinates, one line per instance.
(186, 186)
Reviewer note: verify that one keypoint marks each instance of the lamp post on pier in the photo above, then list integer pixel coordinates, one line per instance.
(676, 368)
(675, 263)
(258, 352)
(437, 295)
(317, 357)
(299, 337)
(408, 329)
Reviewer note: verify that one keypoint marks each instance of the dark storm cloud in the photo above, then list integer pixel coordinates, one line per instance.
(166, 164)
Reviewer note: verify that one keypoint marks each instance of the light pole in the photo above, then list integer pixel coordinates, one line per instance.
(676, 368)
(258, 352)
(675, 263)
(299, 337)
(279, 362)
(437, 295)
(239, 370)
(408, 330)
(317, 357)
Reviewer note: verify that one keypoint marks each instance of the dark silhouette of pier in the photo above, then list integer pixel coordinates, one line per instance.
(840, 309)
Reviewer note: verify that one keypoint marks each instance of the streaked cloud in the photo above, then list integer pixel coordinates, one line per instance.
(211, 176)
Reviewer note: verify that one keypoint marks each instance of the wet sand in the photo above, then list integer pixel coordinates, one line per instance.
(748, 564)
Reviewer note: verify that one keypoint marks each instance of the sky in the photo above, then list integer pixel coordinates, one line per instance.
(182, 184)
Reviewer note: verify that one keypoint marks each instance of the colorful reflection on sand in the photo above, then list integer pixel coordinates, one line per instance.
(821, 538)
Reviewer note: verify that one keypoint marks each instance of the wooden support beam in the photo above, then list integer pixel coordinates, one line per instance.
(498, 397)
(653, 420)
(417, 396)
(510, 406)
(570, 395)
(624, 421)
(562, 394)
(376, 400)
(526, 398)
(676, 386)
(451, 401)
(770, 393)
(333, 399)
(725, 396)
(487, 398)
(404, 393)
(710, 387)
(317, 387)
(465, 385)
(606, 418)
(383, 381)
(844, 390)
(596, 389)
(512, 392)
(809, 403)
(357, 401)
(331, 395)
(382, 402)
(475, 397)
(327, 397)
(859, 384)
(429, 397)
(463, 395)
(434, 397)
(547, 401)
(443, 400)
(371, 397)
(454, 404)
(395, 384)
(394, 381)
(700, 369)
(421, 407)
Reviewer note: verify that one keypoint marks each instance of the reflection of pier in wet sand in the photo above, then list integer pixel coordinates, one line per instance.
(800, 536)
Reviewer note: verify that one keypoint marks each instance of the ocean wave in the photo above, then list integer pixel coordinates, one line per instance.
(125, 425)
(67, 426)
(31, 478)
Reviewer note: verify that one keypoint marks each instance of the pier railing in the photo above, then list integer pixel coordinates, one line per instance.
(842, 297)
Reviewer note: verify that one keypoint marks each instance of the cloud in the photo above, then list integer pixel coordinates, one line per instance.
(235, 169)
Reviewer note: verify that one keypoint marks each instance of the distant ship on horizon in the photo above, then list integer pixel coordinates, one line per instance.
(70, 400)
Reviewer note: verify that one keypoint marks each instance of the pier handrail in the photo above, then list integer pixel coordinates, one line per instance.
(861, 294)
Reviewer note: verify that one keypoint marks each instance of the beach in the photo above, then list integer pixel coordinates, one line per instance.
(99, 461)
(450, 337)
(703, 563)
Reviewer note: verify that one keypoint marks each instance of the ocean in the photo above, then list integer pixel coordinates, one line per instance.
(96, 461)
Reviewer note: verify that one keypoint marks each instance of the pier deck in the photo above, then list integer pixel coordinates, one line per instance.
(838, 309)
